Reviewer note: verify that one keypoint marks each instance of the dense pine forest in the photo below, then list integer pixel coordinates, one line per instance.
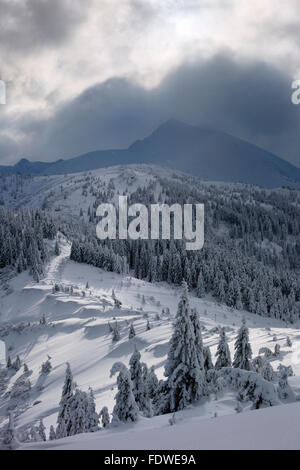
(251, 256)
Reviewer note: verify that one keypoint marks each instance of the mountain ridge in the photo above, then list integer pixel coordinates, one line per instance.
(207, 153)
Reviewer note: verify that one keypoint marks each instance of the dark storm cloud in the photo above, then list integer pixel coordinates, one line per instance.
(251, 101)
(252, 98)
(26, 26)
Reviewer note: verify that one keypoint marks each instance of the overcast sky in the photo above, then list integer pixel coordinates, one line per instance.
(84, 75)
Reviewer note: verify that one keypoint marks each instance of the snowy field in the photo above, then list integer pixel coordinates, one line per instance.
(77, 331)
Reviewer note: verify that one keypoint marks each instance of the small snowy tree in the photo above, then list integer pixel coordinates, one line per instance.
(92, 418)
(33, 434)
(243, 351)
(104, 416)
(17, 364)
(148, 327)
(8, 364)
(9, 439)
(152, 382)
(223, 352)
(267, 371)
(277, 350)
(125, 408)
(56, 249)
(284, 389)
(42, 430)
(238, 407)
(52, 435)
(64, 405)
(116, 333)
(208, 364)
(76, 420)
(78, 407)
(289, 342)
(137, 378)
(131, 331)
(46, 367)
(117, 302)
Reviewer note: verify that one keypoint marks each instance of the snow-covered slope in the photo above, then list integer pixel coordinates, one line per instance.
(267, 429)
(77, 331)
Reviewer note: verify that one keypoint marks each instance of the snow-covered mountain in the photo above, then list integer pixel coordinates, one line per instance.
(209, 154)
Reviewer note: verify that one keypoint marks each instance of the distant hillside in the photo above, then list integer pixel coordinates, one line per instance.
(210, 154)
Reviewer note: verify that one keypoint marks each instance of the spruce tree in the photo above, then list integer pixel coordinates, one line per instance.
(223, 352)
(137, 378)
(125, 409)
(116, 333)
(9, 439)
(42, 430)
(77, 416)
(104, 416)
(243, 351)
(64, 405)
(208, 364)
(131, 331)
(199, 346)
(52, 435)
(185, 380)
(17, 364)
(56, 249)
(92, 418)
(152, 382)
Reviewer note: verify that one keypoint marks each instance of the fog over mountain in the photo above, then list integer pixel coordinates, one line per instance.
(210, 154)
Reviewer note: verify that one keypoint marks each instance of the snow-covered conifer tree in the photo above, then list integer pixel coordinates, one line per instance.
(152, 382)
(52, 435)
(64, 405)
(137, 378)
(17, 364)
(208, 364)
(46, 367)
(125, 408)
(199, 345)
(77, 416)
(56, 249)
(131, 331)
(42, 430)
(243, 351)
(104, 416)
(277, 350)
(185, 381)
(92, 418)
(223, 352)
(267, 371)
(117, 302)
(9, 439)
(116, 333)
(284, 389)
